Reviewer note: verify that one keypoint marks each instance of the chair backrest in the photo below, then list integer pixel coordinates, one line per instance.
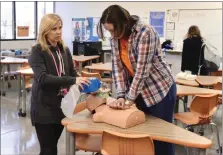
(114, 143)
(204, 106)
(218, 86)
(218, 73)
(87, 74)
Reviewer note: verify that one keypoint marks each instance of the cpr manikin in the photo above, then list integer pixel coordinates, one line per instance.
(124, 118)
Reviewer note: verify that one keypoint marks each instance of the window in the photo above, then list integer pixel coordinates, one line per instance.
(44, 8)
(25, 20)
(20, 20)
(6, 20)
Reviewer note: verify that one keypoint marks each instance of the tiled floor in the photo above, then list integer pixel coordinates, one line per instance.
(18, 137)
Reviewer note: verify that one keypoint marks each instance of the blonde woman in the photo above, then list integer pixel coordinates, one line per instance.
(54, 73)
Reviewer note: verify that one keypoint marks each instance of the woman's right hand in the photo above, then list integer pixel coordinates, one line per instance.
(82, 80)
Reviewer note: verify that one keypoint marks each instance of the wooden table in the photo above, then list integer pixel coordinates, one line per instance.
(188, 90)
(22, 90)
(101, 67)
(208, 80)
(187, 82)
(158, 130)
(81, 58)
(7, 61)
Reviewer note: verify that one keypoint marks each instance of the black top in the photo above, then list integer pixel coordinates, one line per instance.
(45, 102)
(191, 54)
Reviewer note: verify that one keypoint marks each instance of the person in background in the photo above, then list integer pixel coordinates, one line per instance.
(54, 73)
(192, 54)
(140, 73)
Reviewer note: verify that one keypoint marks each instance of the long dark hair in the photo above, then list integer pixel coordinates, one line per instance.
(193, 31)
(120, 18)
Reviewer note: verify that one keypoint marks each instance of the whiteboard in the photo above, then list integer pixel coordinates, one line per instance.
(208, 21)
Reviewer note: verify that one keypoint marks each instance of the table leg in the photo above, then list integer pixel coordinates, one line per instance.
(176, 108)
(202, 152)
(80, 67)
(22, 111)
(9, 70)
(19, 92)
(3, 80)
(185, 103)
(24, 95)
(67, 137)
(90, 62)
(73, 144)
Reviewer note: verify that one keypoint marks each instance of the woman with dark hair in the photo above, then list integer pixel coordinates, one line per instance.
(193, 55)
(140, 73)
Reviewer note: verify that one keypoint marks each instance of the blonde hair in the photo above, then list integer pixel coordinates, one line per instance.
(46, 25)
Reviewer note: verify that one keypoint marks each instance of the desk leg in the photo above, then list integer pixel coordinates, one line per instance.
(22, 112)
(80, 67)
(19, 93)
(70, 143)
(67, 137)
(202, 152)
(9, 70)
(176, 108)
(73, 144)
(185, 103)
(3, 80)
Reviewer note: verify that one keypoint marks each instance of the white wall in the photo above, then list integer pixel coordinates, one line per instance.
(69, 10)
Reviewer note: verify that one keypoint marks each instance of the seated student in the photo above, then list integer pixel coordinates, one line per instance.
(192, 52)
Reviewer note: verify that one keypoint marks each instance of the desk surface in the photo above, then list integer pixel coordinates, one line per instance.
(187, 82)
(101, 66)
(82, 58)
(155, 127)
(13, 60)
(28, 71)
(188, 90)
(208, 80)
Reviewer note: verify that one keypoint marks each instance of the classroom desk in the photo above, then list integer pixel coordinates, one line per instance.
(100, 67)
(190, 91)
(208, 80)
(21, 82)
(158, 130)
(81, 58)
(7, 61)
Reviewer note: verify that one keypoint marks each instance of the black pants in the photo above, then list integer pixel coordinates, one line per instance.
(48, 136)
(164, 110)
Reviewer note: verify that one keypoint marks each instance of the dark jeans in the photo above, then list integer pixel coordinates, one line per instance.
(48, 136)
(163, 110)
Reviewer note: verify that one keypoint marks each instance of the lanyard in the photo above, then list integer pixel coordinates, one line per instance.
(61, 63)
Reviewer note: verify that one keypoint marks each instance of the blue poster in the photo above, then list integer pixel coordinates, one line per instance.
(92, 28)
(79, 29)
(157, 21)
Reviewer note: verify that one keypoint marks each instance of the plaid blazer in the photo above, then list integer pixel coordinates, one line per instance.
(152, 74)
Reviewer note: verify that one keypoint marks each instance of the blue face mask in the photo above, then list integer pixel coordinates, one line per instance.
(93, 87)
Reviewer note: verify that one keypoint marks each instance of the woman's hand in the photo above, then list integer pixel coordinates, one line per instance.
(119, 104)
(82, 80)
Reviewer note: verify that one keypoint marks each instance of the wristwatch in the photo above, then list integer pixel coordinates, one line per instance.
(127, 102)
